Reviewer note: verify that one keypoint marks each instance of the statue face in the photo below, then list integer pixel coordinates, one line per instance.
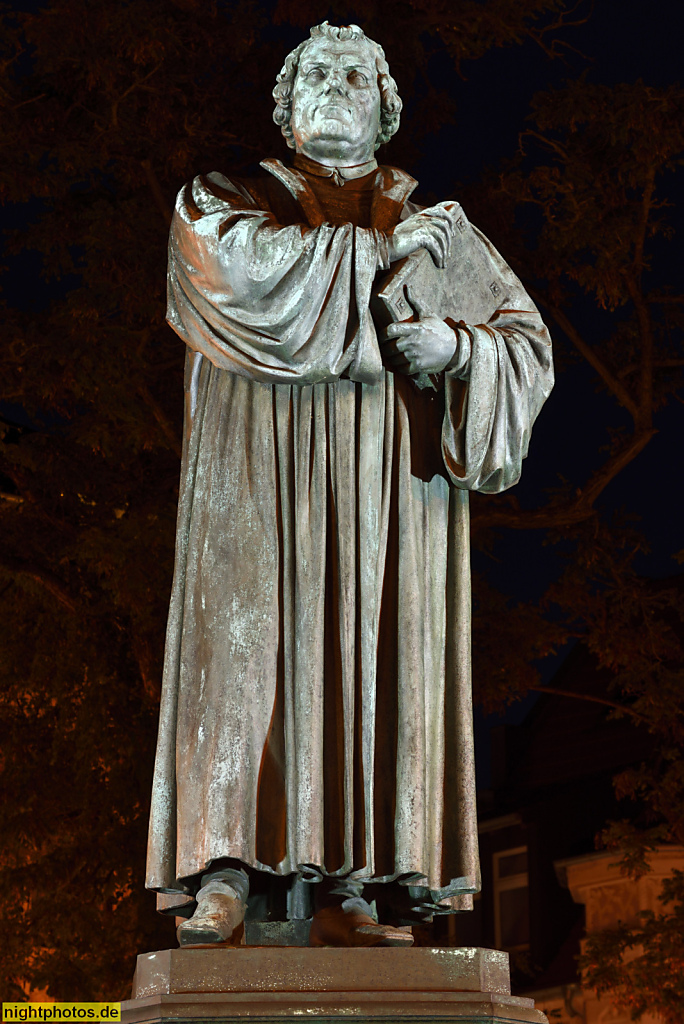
(336, 102)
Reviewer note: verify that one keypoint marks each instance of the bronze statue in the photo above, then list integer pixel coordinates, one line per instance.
(316, 713)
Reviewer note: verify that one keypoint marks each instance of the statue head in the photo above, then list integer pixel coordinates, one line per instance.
(336, 101)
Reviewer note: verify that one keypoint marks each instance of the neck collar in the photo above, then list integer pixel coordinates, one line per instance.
(338, 174)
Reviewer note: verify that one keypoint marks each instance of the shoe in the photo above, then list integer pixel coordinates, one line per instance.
(218, 920)
(331, 926)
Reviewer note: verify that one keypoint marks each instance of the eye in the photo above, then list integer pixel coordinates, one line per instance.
(315, 75)
(357, 78)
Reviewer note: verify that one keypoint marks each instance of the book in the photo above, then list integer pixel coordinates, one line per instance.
(467, 289)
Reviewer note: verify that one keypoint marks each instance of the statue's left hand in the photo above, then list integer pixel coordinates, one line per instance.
(424, 345)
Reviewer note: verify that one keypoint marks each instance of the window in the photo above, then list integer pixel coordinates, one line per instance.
(511, 899)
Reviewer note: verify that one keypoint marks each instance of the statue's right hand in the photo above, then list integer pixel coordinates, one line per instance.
(431, 229)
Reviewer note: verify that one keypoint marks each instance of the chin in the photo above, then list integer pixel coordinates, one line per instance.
(333, 126)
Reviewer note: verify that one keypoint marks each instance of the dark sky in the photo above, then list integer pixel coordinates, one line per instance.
(623, 41)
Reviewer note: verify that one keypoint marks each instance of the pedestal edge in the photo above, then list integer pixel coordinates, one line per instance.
(375, 1007)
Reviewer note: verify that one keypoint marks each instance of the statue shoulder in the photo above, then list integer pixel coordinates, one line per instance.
(213, 192)
(395, 176)
(224, 187)
(208, 194)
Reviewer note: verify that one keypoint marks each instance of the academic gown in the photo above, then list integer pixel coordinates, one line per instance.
(316, 708)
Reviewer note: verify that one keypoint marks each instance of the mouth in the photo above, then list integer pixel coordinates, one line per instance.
(335, 107)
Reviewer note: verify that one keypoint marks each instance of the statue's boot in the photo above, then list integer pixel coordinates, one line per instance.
(333, 926)
(218, 919)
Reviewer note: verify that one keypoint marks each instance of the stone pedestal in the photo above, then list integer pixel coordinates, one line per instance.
(269, 983)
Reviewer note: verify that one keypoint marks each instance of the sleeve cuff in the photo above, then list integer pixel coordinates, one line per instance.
(459, 365)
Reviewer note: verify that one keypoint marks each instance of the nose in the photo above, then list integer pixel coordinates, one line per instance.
(336, 83)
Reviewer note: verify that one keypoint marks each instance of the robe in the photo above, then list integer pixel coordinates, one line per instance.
(316, 710)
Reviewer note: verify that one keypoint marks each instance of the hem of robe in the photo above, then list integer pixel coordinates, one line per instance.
(455, 897)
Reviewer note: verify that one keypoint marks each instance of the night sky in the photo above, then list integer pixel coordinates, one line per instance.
(621, 42)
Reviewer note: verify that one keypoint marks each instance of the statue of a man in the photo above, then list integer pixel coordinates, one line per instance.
(316, 719)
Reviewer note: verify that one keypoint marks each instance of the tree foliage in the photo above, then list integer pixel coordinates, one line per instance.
(641, 968)
(107, 110)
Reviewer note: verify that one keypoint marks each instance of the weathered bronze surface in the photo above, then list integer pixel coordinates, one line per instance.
(316, 712)
(468, 986)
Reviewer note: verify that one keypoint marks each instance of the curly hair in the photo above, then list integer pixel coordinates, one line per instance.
(390, 101)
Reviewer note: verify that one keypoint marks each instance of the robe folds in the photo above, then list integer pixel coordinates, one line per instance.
(316, 708)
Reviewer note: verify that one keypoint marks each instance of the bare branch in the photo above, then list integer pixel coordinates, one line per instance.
(141, 648)
(562, 21)
(657, 300)
(33, 99)
(599, 480)
(45, 577)
(551, 143)
(157, 193)
(556, 516)
(633, 367)
(646, 202)
(590, 697)
(161, 418)
(573, 335)
(132, 87)
(149, 672)
(642, 310)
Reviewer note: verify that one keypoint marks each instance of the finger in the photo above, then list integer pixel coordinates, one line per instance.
(440, 231)
(445, 210)
(405, 349)
(441, 224)
(445, 245)
(396, 330)
(440, 227)
(436, 251)
(446, 230)
(446, 217)
(452, 210)
(408, 328)
(421, 308)
(402, 350)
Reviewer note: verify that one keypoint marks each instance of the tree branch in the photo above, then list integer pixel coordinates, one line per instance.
(161, 418)
(599, 480)
(150, 672)
(157, 193)
(568, 513)
(132, 87)
(656, 363)
(642, 310)
(657, 300)
(45, 577)
(141, 648)
(562, 21)
(590, 697)
(573, 335)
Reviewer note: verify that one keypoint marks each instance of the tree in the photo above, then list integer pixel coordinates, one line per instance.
(602, 212)
(107, 110)
(640, 968)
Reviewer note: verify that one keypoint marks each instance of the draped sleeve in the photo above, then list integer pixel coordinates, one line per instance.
(504, 376)
(273, 303)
